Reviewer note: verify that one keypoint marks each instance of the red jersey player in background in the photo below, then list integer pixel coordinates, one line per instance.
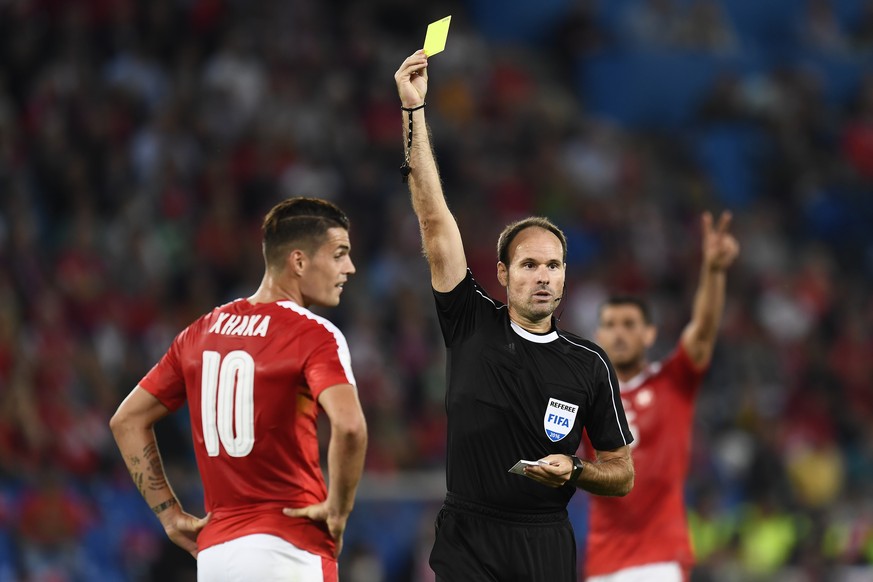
(643, 537)
(255, 373)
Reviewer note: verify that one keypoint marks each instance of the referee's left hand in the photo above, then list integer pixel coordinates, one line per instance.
(555, 474)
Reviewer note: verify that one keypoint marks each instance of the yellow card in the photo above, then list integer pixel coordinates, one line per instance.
(435, 39)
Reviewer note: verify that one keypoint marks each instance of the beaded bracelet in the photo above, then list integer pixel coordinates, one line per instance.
(404, 168)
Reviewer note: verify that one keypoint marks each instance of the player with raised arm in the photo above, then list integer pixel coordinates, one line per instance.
(644, 536)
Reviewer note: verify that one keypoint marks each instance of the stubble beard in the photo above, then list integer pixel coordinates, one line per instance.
(536, 312)
(629, 365)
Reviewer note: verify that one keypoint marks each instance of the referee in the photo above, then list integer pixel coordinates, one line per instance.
(518, 388)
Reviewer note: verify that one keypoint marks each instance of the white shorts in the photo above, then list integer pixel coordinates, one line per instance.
(661, 572)
(262, 558)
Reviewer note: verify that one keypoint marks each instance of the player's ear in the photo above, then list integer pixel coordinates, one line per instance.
(297, 261)
(650, 335)
(502, 274)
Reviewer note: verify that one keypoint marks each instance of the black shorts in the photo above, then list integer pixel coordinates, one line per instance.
(476, 543)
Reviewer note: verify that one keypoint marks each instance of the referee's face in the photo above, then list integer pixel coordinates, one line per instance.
(534, 278)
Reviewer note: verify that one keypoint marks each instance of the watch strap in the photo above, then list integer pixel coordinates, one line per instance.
(577, 470)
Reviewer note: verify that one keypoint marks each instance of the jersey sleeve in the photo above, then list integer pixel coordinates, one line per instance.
(685, 376)
(165, 381)
(607, 426)
(330, 361)
(459, 310)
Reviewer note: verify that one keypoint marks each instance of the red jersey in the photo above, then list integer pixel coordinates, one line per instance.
(251, 375)
(649, 524)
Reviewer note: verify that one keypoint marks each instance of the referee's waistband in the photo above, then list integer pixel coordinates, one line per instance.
(456, 502)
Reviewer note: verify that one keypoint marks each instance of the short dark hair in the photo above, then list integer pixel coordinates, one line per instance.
(511, 231)
(638, 302)
(300, 223)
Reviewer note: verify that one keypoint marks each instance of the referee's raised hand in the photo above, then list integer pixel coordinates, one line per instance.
(411, 79)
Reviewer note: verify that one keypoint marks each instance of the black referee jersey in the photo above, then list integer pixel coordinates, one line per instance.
(513, 394)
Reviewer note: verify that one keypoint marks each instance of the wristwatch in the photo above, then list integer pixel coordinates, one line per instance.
(577, 470)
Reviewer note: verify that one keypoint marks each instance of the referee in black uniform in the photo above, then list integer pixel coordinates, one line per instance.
(518, 388)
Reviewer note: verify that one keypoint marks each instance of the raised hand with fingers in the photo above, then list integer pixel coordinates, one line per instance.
(720, 248)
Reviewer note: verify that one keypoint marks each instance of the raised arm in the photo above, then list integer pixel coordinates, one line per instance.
(719, 250)
(133, 428)
(345, 460)
(440, 236)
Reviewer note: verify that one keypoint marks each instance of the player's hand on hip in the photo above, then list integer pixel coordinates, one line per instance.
(183, 528)
(411, 79)
(336, 524)
(553, 474)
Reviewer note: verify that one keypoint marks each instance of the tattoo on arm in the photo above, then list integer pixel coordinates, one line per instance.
(162, 506)
(156, 475)
(135, 474)
(137, 480)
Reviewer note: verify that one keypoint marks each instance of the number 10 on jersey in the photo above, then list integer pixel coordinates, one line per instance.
(227, 402)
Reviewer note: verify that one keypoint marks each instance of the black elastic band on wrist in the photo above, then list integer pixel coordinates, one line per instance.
(577, 470)
(405, 169)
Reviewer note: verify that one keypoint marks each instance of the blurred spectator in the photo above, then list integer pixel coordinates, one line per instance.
(726, 101)
(819, 28)
(653, 24)
(52, 519)
(705, 28)
(713, 531)
(858, 132)
(579, 35)
(769, 535)
(235, 79)
(862, 30)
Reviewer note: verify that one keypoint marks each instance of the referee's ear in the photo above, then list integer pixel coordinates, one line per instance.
(502, 274)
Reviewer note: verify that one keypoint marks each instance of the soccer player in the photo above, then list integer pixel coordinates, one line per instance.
(519, 388)
(255, 374)
(644, 536)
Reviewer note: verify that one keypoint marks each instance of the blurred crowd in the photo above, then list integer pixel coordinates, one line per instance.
(141, 143)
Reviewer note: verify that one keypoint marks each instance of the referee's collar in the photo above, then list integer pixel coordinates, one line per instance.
(537, 338)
